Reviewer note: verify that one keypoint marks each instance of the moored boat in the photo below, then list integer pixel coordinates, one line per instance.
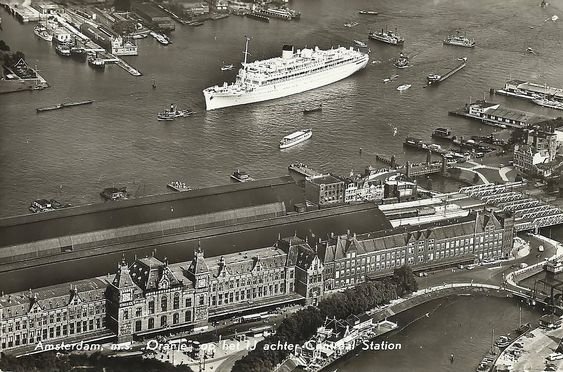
(97, 63)
(295, 138)
(78, 53)
(43, 33)
(179, 186)
(557, 105)
(63, 50)
(442, 133)
(386, 36)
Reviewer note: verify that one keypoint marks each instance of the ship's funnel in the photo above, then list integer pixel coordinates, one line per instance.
(287, 52)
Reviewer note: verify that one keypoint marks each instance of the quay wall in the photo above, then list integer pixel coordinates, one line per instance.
(243, 236)
(111, 215)
(429, 294)
(138, 233)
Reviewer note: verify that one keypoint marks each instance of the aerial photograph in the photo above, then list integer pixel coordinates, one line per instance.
(281, 185)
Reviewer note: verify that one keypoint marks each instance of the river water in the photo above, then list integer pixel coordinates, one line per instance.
(72, 154)
(430, 333)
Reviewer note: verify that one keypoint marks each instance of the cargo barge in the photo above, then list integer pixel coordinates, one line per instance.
(63, 105)
(434, 79)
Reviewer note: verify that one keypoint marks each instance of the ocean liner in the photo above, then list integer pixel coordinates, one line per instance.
(293, 72)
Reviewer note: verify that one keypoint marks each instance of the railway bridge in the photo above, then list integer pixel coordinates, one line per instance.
(529, 213)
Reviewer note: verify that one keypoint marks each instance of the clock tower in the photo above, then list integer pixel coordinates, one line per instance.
(121, 294)
(198, 273)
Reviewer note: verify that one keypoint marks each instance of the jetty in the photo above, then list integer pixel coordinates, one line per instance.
(433, 79)
(64, 105)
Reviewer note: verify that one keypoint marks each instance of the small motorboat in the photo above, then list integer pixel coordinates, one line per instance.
(391, 78)
(227, 67)
(403, 87)
(351, 24)
(361, 44)
(313, 109)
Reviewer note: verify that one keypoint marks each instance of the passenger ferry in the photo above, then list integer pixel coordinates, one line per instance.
(388, 37)
(459, 40)
(295, 72)
(557, 105)
(295, 138)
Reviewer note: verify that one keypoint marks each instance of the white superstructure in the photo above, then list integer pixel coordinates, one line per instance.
(293, 72)
(295, 138)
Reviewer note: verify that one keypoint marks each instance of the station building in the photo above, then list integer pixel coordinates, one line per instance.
(150, 296)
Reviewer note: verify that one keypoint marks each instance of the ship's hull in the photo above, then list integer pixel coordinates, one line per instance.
(44, 35)
(215, 101)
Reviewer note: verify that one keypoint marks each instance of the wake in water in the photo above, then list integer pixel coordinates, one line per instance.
(427, 315)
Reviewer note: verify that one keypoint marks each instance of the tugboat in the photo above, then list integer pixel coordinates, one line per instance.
(241, 176)
(113, 193)
(173, 113)
(96, 62)
(63, 50)
(402, 61)
(388, 37)
(442, 133)
(78, 53)
(433, 78)
(459, 40)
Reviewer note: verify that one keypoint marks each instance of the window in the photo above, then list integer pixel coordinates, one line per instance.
(176, 304)
(151, 307)
(138, 312)
(163, 321)
(164, 303)
(138, 325)
(188, 316)
(188, 302)
(176, 318)
(151, 323)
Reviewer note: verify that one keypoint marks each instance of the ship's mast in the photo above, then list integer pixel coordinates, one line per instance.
(246, 48)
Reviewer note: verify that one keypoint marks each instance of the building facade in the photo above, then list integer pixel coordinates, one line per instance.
(151, 296)
(324, 190)
(536, 156)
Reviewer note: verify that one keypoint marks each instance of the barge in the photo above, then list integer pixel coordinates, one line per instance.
(434, 79)
(63, 105)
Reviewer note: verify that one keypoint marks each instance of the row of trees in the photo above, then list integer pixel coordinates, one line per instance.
(300, 326)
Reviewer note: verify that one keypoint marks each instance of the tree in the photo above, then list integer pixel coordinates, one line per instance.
(4, 46)
(405, 280)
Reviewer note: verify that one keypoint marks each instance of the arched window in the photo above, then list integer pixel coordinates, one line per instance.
(163, 321)
(151, 323)
(176, 304)
(188, 316)
(164, 303)
(176, 318)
